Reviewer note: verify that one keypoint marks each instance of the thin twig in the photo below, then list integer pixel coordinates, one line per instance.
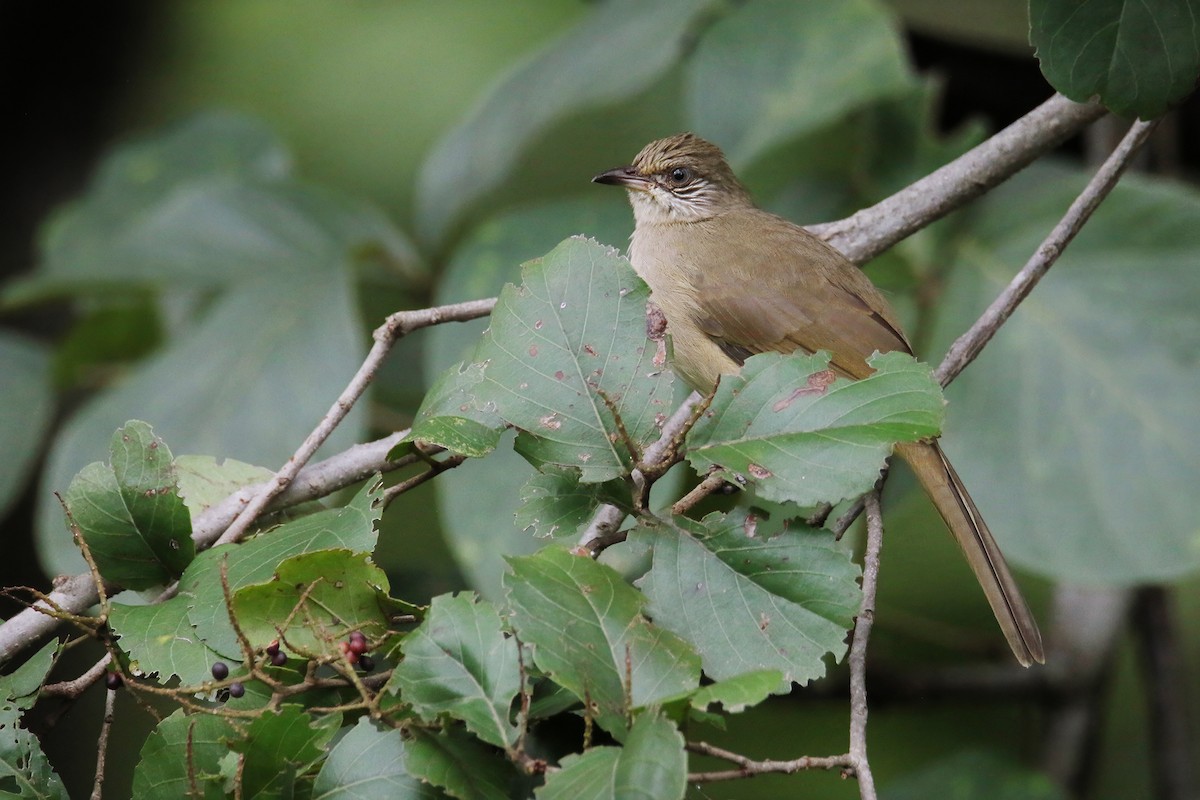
(386, 335)
(968, 346)
(858, 648)
(710, 485)
(73, 688)
(110, 699)
(749, 767)
(435, 468)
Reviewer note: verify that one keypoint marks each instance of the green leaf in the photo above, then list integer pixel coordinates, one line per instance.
(203, 482)
(130, 515)
(460, 764)
(651, 765)
(19, 688)
(368, 764)
(589, 634)
(451, 416)
(255, 560)
(565, 346)
(1084, 406)
(278, 746)
(738, 693)
(750, 597)
(159, 639)
(621, 48)
(459, 662)
(472, 498)
(26, 406)
(557, 504)
(164, 772)
(973, 776)
(821, 443)
(774, 69)
(315, 598)
(1139, 57)
(275, 261)
(25, 772)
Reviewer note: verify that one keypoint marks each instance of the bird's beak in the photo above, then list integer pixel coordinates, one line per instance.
(623, 176)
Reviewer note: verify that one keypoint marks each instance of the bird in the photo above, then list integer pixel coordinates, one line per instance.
(733, 280)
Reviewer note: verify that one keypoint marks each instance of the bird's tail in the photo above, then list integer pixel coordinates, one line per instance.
(950, 497)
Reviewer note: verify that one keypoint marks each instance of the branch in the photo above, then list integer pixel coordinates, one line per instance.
(858, 648)
(968, 346)
(386, 335)
(869, 232)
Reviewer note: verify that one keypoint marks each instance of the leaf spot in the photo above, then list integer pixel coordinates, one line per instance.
(551, 421)
(537, 326)
(559, 374)
(817, 383)
(533, 351)
(591, 351)
(762, 473)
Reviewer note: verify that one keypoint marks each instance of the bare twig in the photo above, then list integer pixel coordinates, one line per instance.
(858, 648)
(73, 688)
(968, 346)
(710, 485)
(386, 335)
(869, 232)
(748, 767)
(110, 699)
(435, 468)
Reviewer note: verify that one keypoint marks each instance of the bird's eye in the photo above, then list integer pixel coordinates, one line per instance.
(680, 175)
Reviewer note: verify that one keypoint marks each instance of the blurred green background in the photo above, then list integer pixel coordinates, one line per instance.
(363, 95)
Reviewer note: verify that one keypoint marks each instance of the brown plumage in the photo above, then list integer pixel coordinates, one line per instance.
(733, 280)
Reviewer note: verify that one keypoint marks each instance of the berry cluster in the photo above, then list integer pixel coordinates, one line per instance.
(354, 648)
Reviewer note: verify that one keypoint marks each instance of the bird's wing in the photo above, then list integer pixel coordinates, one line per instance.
(805, 296)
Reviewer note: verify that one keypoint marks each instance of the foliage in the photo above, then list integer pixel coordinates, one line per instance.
(693, 619)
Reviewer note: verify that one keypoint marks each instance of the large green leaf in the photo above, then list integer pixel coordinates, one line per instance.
(460, 662)
(1139, 56)
(618, 50)
(26, 405)
(130, 514)
(775, 69)
(749, 596)
(159, 640)
(651, 765)
(566, 361)
(477, 500)
(207, 207)
(321, 595)
(163, 773)
(588, 633)
(368, 764)
(460, 764)
(825, 441)
(1074, 428)
(278, 745)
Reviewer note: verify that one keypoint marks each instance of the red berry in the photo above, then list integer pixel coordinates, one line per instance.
(358, 646)
(273, 648)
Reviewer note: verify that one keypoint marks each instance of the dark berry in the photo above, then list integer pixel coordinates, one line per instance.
(278, 658)
(220, 670)
(273, 648)
(236, 690)
(367, 663)
(114, 681)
